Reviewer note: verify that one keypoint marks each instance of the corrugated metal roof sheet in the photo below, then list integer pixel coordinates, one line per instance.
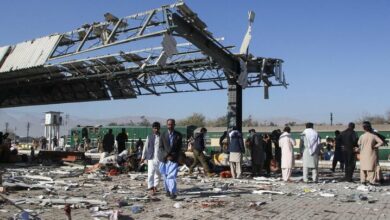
(3, 51)
(30, 53)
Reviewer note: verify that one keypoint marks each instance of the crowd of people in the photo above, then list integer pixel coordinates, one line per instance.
(163, 151)
(347, 146)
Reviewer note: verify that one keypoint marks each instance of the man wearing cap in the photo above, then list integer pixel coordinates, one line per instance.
(236, 150)
(369, 144)
(310, 148)
(150, 153)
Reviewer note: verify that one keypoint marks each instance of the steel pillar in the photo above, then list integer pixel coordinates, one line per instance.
(234, 107)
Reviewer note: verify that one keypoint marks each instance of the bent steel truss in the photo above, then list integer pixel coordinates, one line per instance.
(108, 60)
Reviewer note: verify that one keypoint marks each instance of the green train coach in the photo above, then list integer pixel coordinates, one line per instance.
(214, 133)
(325, 131)
(134, 133)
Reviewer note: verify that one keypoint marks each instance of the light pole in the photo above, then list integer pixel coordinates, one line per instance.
(28, 130)
(331, 119)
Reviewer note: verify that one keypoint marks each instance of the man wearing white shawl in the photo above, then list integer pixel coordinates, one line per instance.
(310, 147)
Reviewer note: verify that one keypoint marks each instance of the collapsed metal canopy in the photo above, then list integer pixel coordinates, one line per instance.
(51, 70)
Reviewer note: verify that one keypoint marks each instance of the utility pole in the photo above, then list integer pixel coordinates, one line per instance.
(28, 129)
(331, 119)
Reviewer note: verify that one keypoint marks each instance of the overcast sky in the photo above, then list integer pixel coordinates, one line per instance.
(336, 53)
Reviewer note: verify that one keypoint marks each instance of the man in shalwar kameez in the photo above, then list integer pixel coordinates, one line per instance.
(369, 144)
(287, 144)
(310, 147)
(150, 153)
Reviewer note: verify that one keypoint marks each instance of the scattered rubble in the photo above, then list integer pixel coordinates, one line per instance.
(104, 194)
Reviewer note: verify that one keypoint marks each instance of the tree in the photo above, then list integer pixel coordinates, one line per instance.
(131, 123)
(290, 123)
(374, 119)
(144, 122)
(272, 124)
(196, 119)
(249, 122)
(112, 124)
(218, 122)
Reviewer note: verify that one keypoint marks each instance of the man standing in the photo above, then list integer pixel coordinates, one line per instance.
(150, 153)
(369, 144)
(268, 154)
(338, 152)
(287, 144)
(236, 149)
(55, 142)
(108, 141)
(170, 147)
(275, 135)
(121, 139)
(197, 150)
(43, 143)
(257, 148)
(309, 146)
(348, 139)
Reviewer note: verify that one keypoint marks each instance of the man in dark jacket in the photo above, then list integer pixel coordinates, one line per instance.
(198, 149)
(348, 139)
(257, 149)
(268, 154)
(275, 135)
(338, 152)
(236, 150)
(170, 148)
(108, 142)
(121, 139)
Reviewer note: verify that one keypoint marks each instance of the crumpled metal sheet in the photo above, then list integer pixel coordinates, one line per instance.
(30, 53)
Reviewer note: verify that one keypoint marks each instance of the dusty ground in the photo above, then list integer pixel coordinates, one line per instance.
(204, 198)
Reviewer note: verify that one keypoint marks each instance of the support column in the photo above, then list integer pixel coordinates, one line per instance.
(234, 108)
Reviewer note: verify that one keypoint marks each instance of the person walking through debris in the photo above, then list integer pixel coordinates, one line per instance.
(268, 154)
(108, 141)
(309, 147)
(287, 144)
(338, 152)
(198, 148)
(150, 153)
(236, 150)
(349, 140)
(121, 140)
(170, 147)
(257, 150)
(369, 144)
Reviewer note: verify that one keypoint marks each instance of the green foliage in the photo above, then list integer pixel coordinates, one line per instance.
(249, 122)
(218, 122)
(144, 122)
(196, 119)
